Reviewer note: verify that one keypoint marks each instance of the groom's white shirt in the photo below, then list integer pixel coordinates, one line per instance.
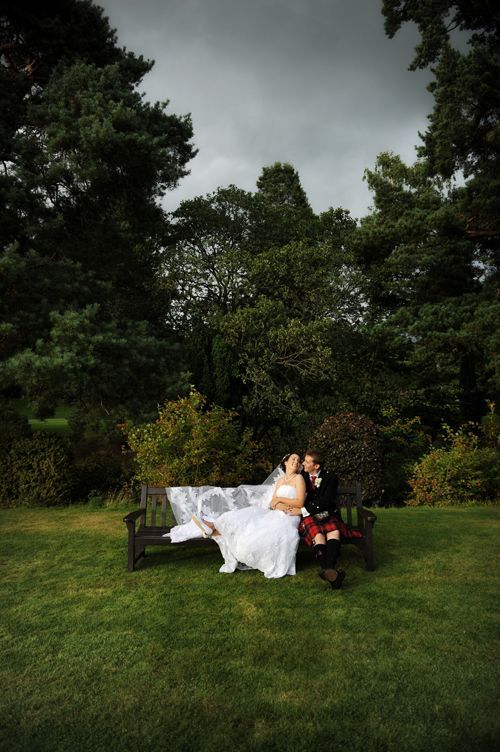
(304, 511)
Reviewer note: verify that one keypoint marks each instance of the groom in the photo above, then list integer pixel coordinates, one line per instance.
(321, 521)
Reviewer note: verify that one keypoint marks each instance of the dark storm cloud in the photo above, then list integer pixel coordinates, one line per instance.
(312, 82)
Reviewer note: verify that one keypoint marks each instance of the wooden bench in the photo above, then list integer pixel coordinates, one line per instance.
(147, 525)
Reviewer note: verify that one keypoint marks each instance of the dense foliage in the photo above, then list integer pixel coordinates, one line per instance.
(189, 445)
(110, 306)
(85, 160)
(350, 445)
(461, 472)
(442, 251)
(36, 471)
(404, 442)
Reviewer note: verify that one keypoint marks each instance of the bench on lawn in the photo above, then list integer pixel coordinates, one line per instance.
(155, 518)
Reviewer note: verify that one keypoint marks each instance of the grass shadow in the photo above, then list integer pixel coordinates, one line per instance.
(165, 556)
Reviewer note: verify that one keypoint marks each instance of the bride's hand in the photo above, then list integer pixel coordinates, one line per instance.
(280, 505)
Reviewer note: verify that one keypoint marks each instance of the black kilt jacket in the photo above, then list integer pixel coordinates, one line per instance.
(323, 497)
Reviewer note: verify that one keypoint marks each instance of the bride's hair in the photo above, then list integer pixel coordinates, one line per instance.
(285, 458)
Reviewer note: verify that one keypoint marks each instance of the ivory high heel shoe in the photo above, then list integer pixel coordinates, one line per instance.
(206, 531)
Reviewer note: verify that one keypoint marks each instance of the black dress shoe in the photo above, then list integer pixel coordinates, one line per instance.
(329, 575)
(337, 583)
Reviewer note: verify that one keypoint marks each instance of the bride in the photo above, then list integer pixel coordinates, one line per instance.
(263, 536)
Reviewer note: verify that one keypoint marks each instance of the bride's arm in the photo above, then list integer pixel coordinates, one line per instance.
(300, 487)
(287, 505)
(281, 502)
(281, 506)
(275, 500)
(294, 506)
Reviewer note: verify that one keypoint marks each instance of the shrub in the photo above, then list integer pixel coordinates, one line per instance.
(14, 427)
(351, 447)
(461, 472)
(191, 445)
(403, 443)
(490, 427)
(37, 471)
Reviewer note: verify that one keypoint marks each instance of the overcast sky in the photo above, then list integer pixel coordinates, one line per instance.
(312, 82)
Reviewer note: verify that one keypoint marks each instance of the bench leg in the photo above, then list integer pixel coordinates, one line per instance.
(131, 549)
(134, 553)
(368, 554)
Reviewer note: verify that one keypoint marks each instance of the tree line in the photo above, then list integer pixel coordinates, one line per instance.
(112, 306)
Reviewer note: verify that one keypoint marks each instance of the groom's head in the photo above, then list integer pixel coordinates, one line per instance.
(312, 461)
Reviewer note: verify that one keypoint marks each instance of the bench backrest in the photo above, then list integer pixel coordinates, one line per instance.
(159, 512)
(349, 497)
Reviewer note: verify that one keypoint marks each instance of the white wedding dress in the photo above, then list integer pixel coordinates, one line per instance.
(252, 536)
(257, 538)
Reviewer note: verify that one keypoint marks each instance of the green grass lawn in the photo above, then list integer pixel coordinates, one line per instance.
(176, 656)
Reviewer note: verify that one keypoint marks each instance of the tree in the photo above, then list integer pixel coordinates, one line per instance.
(464, 126)
(283, 214)
(85, 161)
(430, 249)
(209, 240)
(428, 292)
(280, 359)
(262, 283)
(94, 362)
(279, 185)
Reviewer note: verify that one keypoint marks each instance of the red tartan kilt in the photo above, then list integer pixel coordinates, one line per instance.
(309, 528)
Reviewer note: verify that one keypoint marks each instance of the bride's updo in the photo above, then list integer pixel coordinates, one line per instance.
(285, 458)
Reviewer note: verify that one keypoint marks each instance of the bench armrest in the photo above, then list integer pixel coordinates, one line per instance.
(133, 516)
(368, 516)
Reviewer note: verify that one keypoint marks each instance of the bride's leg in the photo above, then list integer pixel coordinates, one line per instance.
(207, 528)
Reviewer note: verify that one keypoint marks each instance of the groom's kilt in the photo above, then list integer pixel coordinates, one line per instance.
(309, 528)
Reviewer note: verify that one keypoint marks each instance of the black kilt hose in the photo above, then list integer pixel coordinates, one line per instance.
(309, 528)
